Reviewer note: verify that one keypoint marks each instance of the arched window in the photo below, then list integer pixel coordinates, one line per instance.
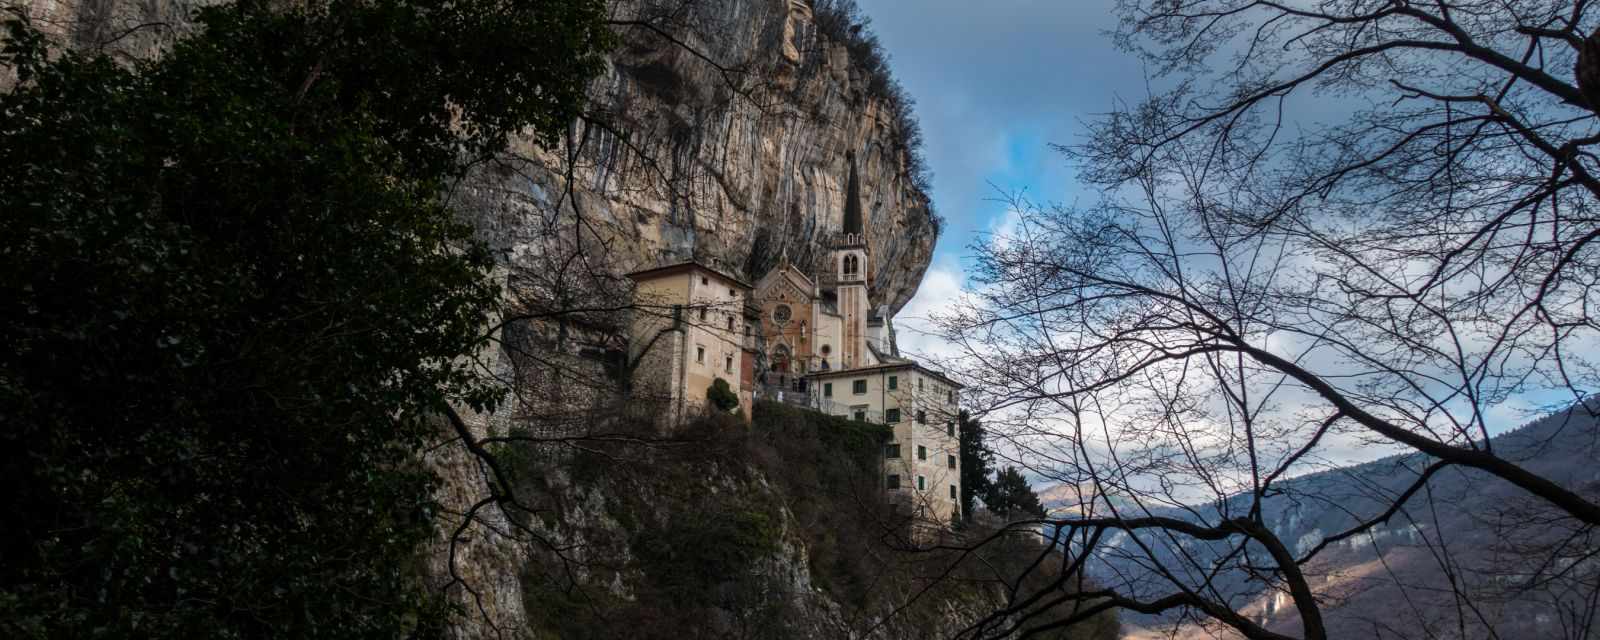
(852, 265)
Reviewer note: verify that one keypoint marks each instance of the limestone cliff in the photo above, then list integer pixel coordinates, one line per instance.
(719, 132)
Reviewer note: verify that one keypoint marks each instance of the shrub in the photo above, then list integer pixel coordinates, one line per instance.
(722, 396)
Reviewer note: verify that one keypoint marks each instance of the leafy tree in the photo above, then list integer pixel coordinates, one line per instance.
(232, 296)
(977, 462)
(1011, 495)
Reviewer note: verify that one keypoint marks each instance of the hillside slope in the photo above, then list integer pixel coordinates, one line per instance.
(778, 530)
(1465, 528)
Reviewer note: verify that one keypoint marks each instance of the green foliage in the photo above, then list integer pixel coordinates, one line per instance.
(230, 298)
(700, 519)
(977, 462)
(704, 547)
(1012, 497)
(703, 521)
(829, 469)
(722, 396)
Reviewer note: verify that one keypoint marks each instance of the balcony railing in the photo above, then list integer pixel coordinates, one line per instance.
(785, 394)
(840, 409)
(831, 280)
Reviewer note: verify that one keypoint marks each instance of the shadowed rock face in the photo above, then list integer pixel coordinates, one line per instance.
(720, 134)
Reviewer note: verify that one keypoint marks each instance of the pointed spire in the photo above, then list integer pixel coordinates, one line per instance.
(852, 201)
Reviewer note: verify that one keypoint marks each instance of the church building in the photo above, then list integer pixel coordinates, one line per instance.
(826, 322)
(810, 339)
(827, 346)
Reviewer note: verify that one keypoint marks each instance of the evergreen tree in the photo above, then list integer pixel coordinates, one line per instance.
(977, 462)
(231, 297)
(1011, 496)
(721, 395)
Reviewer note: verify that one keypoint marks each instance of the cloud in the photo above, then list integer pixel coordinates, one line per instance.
(914, 333)
(995, 84)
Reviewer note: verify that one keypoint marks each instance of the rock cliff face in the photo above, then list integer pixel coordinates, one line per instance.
(718, 133)
(124, 28)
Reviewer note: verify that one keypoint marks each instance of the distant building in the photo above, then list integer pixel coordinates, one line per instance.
(690, 327)
(811, 340)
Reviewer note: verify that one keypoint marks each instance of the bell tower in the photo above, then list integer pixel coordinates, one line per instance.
(848, 260)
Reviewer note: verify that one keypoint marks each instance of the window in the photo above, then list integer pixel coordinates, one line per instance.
(950, 396)
(949, 427)
(919, 384)
(922, 483)
(891, 451)
(858, 387)
(954, 494)
(950, 461)
(894, 383)
(922, 417)
(827, 350)
(703, 280)
(922, 452)
(732, 294)
(700, 355)
(827, 389)
(891, 415)
(894, 481)
(782, 313)
(728, 365)
(702, 314)
(852, 265)
(730, 322)
(859, 413)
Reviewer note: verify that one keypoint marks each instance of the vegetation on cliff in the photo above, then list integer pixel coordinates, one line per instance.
(230, 297)
(844, 22)
(776, 530)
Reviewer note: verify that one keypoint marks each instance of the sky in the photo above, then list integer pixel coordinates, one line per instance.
(996, 83)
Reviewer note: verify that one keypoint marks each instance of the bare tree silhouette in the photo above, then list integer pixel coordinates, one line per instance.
(1259, 289)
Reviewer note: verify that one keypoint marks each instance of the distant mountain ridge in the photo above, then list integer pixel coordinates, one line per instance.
(1494, 544)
